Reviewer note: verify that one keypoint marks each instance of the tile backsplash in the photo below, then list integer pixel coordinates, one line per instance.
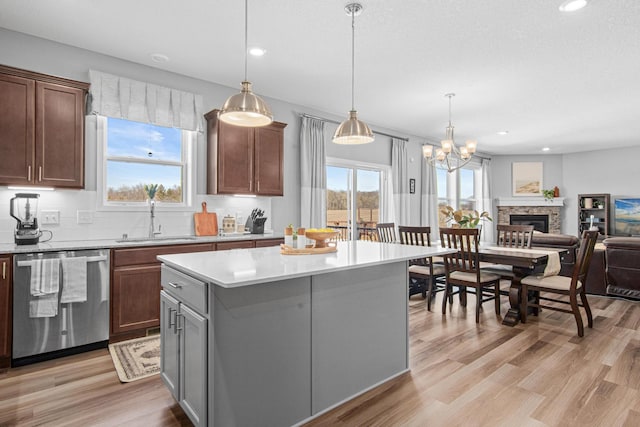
(113, 224)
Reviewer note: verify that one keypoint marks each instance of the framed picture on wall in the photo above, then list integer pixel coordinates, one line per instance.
(527, 178)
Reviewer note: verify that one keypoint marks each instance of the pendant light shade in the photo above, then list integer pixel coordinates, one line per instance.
(246, 108)
(353, 131)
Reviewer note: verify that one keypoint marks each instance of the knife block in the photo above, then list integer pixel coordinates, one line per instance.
(255, 226)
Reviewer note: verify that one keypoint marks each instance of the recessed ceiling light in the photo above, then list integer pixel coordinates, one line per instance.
(572, 5)
(257, 51)
(159, 57)
(546, 149)
(503, 132)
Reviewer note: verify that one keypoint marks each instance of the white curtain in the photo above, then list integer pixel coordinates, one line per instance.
(387, 206)
(400, 178)
(486, 202)
(119, 97)
(313, 176)
(429, 199)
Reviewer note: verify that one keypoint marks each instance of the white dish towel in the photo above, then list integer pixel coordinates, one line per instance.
(44, 287)
(74, 279)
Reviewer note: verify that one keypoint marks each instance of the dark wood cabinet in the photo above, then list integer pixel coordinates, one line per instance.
(240, 244)
(41, 129)
(135, 287)
(135, 303)
(244, 160)
(598, 206)
(5, 312)
(268, 242)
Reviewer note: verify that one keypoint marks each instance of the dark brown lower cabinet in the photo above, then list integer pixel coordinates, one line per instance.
(135, 298)
(135, 288)
(5, 312)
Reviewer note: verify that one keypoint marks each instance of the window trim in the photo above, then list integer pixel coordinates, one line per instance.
(189, 139)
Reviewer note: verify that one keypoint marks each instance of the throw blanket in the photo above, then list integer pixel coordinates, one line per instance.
(553, 264)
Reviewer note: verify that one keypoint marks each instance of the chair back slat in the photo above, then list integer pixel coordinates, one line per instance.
(417, 236)
(386, 232)
(466, 241)
(514, 236)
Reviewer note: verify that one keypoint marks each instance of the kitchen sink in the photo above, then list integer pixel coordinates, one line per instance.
(155, 239)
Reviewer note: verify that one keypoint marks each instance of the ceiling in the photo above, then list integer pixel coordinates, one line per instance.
(570, 82)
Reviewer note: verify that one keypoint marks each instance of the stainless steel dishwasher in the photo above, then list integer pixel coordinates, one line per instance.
(60, 304)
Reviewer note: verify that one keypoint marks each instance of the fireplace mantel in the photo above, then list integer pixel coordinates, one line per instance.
(529, 201)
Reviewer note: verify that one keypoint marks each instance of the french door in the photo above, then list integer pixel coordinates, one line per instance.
(354, 197)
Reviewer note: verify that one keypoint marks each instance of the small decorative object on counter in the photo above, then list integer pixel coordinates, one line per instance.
(556, 191)
(302, 240)
(288, 235)
(322, 236)
(229, 224)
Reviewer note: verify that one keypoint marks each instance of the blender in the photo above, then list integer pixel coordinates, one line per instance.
(24, 208)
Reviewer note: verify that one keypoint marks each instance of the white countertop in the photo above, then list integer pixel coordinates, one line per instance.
(243, 267)
(72, 245)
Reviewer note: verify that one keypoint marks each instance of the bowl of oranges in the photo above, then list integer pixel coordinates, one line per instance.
(322, 236)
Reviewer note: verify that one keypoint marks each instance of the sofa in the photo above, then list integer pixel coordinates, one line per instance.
(563, 241)
(622, 266)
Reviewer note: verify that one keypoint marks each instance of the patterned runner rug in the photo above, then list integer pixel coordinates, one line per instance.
(137, 358)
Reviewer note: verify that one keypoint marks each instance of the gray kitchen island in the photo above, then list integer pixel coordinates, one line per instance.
(251, 337)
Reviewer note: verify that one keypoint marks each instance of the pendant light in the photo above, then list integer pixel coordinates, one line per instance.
(246, 108)
(353, 131)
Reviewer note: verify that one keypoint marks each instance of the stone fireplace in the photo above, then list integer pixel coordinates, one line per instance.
(531, 207)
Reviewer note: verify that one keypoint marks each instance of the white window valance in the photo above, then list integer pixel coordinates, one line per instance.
(124, 98)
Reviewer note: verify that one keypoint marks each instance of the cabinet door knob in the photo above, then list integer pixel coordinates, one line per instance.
(4, 270)
(29, 173)
(39, 173)
(174, 285)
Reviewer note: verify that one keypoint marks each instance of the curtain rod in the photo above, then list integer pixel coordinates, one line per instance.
(337, 122)
(375, 131)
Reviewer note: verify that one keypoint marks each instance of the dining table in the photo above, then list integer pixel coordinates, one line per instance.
(525, 262)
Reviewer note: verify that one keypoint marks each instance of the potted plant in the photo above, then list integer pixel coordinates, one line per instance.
(548, 194)
(465, 219)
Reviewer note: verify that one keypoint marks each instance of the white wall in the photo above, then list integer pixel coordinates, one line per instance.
(35, 54)
(616, 172)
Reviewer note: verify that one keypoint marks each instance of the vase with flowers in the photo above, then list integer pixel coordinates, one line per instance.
(464, 218)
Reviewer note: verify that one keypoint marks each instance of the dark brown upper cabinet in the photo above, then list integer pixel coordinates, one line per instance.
(41, 129)
(243, 160)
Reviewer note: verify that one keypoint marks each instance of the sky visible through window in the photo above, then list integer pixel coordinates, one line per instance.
(142, 141)
(337, 179)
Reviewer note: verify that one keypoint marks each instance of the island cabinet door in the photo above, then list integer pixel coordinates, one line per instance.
(193, 365)
(169, 348)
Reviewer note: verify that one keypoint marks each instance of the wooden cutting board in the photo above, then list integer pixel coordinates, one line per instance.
(206, 223)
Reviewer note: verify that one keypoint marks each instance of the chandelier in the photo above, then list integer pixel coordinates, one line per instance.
(448, 155)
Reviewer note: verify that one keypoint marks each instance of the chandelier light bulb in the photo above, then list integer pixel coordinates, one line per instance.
(427, 151)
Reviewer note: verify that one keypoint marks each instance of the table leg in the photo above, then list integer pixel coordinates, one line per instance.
(513, 315)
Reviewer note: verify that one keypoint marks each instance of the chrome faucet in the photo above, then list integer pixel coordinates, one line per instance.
(152, 229)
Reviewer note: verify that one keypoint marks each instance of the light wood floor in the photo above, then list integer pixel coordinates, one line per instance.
(536, 374)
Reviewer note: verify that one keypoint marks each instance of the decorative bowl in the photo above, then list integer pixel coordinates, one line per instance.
(321, 237)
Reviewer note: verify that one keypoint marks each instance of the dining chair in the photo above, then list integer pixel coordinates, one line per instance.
(423, 272)
(512, 236)
(462, 269)
(386, 232)
(563, 286)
